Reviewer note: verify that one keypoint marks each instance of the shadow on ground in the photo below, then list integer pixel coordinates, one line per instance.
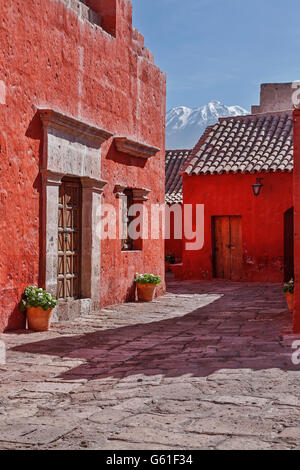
(242, 330)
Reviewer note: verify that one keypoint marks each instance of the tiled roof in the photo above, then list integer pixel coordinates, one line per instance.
(245, 144)
(175, 159)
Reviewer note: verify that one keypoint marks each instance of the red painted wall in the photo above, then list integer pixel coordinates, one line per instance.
(51, 58)
(173, 245)
(262, 221)
(296, 322)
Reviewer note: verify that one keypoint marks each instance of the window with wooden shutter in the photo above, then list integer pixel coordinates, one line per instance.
(127, 201)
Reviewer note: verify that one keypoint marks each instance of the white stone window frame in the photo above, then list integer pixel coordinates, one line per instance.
(140, 196)
(72, 148)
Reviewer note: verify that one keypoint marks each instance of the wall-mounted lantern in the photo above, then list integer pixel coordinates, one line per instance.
(257, 186)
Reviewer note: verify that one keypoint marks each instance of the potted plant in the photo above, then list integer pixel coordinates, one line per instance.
(146, 286)
(39, 305)
(288, 289)
(169, 259)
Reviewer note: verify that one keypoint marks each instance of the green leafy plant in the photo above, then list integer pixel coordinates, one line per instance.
(289, 286)
(36, 297)
(170, 258)
(147, 279)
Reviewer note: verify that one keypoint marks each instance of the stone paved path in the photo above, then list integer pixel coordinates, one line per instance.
(208, 366)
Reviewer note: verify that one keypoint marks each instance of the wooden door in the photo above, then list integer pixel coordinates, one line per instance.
(227, 247)
(69, 240)
(221, 251)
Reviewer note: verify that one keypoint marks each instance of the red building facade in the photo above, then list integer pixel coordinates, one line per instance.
(82, 122)
(175, 159)
(256, 235)
(246, 237)
(296, 320)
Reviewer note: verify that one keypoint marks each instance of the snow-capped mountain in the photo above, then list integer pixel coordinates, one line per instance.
(184, 126)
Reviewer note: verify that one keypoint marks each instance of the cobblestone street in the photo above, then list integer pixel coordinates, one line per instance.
(207, 366)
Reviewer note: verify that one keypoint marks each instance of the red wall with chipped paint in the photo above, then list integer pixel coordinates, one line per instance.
(51, 58)
(262, 221)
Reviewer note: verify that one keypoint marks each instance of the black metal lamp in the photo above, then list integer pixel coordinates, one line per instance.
(257, 186)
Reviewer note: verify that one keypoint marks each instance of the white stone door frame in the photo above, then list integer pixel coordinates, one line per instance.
(72, 148)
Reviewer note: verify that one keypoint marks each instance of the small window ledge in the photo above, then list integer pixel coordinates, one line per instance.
(135, 148)
(84, 11)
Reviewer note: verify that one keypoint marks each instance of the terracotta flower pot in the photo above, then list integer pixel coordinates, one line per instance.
(38, 318)
(290, 300)
(146, 292)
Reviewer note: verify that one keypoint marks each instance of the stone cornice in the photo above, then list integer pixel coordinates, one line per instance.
(91, 184)
(119, 190)
(51, 178)
(52, 119)
(139, 194)
(135, 148)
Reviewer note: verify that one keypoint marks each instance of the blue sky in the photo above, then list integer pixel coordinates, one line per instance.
(221, 49)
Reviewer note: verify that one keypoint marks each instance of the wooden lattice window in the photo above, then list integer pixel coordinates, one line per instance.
(127, 201)
(69, 239)
(131, 205)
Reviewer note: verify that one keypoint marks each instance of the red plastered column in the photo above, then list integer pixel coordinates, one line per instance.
(296, 184)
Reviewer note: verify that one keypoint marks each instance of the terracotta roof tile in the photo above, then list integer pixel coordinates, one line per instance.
(244, 144)
(175, 159)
